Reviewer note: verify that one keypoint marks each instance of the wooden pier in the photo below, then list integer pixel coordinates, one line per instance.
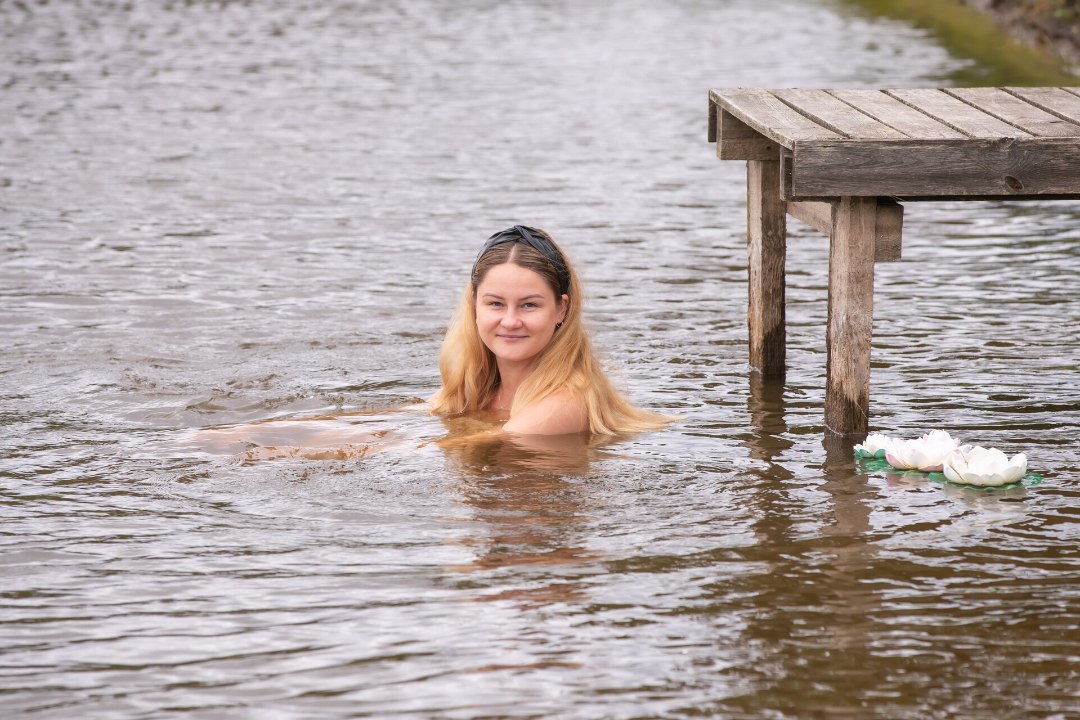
(844, 160)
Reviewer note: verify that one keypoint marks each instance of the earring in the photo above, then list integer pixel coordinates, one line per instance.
(558, 325)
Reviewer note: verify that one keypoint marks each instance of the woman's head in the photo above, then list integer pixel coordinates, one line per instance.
(522, 262)
(521, 295)
(468, 365)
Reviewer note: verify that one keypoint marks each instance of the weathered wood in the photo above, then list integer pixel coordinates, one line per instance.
(766, 252)
(900, 168)
(889, 110)
(1059, 102)
(888, 224)
(1010, 143)
(851, 312)
(836, 115)
(888, 231)
(1011, 109)
(735, 140)
(956, 114)
(787, 163)
(762, 111)
(816, 214)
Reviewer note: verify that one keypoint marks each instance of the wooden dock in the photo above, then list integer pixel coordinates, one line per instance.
(844, 160)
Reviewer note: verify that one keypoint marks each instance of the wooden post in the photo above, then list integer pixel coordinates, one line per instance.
(766, 216)
(851, 315)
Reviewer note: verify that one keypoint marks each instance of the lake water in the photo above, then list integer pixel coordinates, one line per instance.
(216, 213)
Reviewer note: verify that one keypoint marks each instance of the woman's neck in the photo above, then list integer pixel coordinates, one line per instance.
(511, 375)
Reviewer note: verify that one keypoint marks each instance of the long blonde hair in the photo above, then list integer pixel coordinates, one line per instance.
(470, 374)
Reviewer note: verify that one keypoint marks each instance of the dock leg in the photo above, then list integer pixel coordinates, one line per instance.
(766, 216)
(851, 313)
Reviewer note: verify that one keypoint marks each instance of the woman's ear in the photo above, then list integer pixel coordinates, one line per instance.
(565, 307)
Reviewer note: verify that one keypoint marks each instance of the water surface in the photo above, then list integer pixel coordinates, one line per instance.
(217, 213)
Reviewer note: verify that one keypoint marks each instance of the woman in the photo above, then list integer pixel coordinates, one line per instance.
(516, 351)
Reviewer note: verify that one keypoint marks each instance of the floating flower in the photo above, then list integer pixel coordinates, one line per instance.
(984, 467)
(874, 446)
(925, 453)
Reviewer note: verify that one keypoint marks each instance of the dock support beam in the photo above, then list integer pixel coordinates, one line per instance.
(851, 315)
(766, 215)
(861, 230)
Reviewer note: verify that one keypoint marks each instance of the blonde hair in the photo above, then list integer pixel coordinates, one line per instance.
(470, 374)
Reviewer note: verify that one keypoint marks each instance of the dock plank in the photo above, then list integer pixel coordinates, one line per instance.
(1059, 102)
(1015, 111)
(889, 110)
(838, 116)
(956, 114)
(1003, 167)
(766, 114)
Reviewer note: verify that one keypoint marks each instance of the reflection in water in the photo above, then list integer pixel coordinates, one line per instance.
(811, 599)
(767, 424)
(533, 546)
(523, 489)
(849, 559)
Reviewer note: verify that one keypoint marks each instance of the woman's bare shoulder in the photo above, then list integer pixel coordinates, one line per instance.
(560, 413)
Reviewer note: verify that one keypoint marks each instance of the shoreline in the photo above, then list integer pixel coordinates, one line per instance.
(1053, 27)
(1010, 42)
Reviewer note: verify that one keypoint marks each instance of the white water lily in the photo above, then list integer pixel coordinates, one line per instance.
(986, 467)
(875, 445)
(925, 453)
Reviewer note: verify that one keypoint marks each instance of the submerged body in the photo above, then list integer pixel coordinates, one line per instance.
(516, 359)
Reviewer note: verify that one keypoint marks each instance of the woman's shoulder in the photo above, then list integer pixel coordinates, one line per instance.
(560, 412)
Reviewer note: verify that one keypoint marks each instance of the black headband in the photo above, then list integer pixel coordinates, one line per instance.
(539, 242)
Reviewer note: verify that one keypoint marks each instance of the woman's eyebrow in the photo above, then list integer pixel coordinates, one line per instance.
(495, 296)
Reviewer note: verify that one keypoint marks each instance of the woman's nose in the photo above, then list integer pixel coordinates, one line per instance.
(511, 318)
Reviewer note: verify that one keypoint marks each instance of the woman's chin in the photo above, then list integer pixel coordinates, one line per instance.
(509, 352)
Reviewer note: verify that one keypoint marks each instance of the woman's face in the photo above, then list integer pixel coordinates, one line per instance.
(516, 313)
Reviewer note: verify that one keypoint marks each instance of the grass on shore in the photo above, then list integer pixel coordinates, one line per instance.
(1000, 59)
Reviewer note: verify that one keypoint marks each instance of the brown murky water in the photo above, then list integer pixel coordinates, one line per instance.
(225, 212)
